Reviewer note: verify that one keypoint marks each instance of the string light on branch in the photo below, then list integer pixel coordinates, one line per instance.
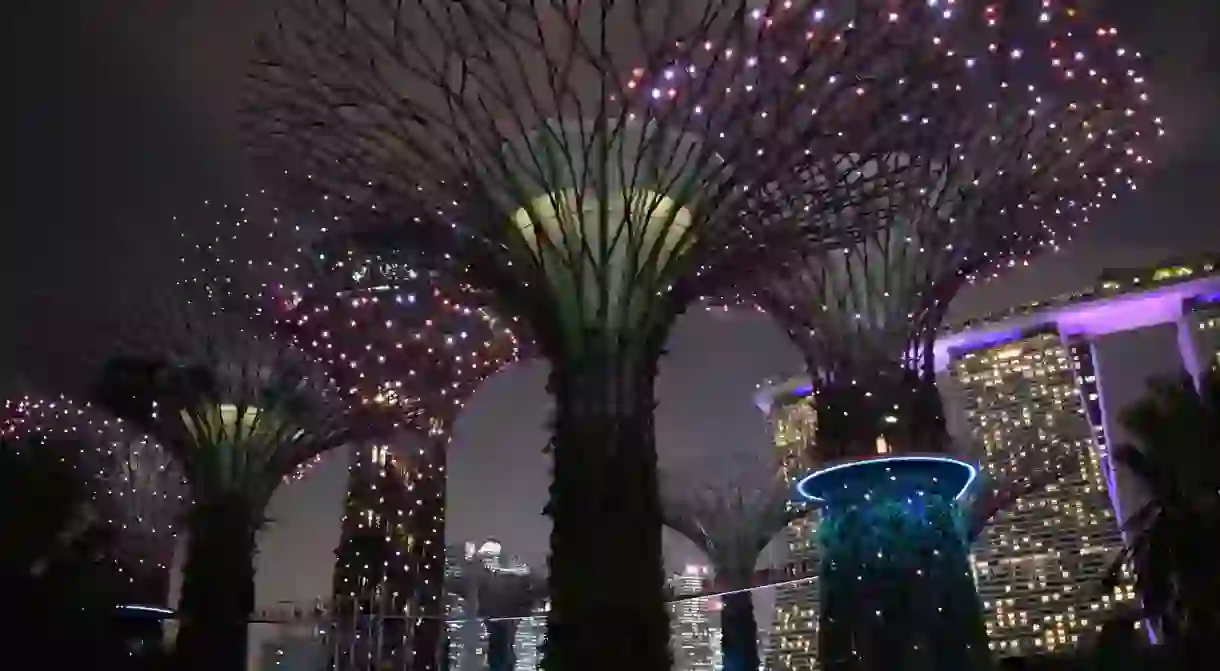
(134, 487)
(600, 186)
(1025, 146)
(392, 334)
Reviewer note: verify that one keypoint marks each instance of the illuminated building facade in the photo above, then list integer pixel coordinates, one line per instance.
(527, 645)
(793, 421)
(1042, 387)
(467, 639)
(1040, 562)
(694, 623)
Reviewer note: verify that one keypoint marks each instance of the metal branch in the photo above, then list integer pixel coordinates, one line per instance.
(732, 517)
(485, 113)
(385, 323)
(1050, 120)
(135, 487)
(236, 407)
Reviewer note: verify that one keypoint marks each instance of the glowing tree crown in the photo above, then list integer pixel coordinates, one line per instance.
(599, 154)
(133, 484)
(237, 408)
(1052, 121)
(388, 329)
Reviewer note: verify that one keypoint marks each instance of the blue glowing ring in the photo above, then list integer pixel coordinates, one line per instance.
(971, 470)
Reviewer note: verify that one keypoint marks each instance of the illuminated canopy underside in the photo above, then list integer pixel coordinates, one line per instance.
(605, 209)
(229, 423)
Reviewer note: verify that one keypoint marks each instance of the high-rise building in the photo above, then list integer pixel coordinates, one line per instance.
(1040, 564)
(527, 646)
(793, 419)
(1042, 388)
(467, 638)
(694, 623)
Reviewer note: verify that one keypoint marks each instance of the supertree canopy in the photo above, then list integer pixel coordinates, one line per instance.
(592, 163)
(238, 411)
(732, 520)
(1050, 123)
(134, 488)
(394, 334)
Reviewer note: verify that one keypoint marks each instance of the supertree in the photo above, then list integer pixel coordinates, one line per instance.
(732, 518)
(394, 334)
(134, 488)
(237, 409)
(591, 163)
(500, 596)
(1051, 123)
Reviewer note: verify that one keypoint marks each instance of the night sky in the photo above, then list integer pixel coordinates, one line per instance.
(120, 115)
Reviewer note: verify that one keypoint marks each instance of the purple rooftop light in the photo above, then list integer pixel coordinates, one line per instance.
(1091, 318)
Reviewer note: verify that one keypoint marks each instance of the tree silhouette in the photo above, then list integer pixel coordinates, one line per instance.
(732, 520)
(1176, 461)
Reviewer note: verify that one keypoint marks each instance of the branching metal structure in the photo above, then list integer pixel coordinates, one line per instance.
(134, 486)
(501, 598)
(732, 520)
(238, 411)
(597, 165)
(1051, 122)
(394, 334)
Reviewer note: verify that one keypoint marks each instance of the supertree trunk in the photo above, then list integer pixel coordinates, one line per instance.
(428, 597)
(858, 406)
(739, 632)
(217, 588)
(897, 591)
(606, 566)
(500, 653)
(397, 558)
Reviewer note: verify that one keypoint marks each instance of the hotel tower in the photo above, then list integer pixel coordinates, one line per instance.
(793, 420)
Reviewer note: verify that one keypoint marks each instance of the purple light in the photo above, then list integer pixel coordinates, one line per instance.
(984, 339)
(1096, 317)
(798, 386)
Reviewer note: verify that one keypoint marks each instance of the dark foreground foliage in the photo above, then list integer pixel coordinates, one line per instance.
(58, 570)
